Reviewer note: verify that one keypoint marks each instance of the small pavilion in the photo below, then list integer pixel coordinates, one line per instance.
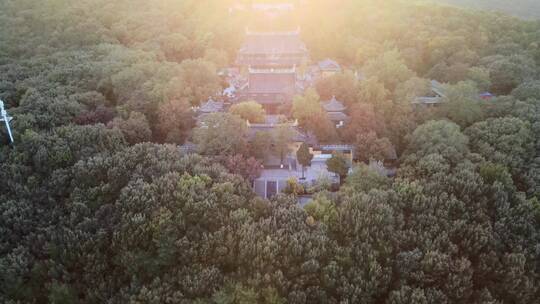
(336, 112)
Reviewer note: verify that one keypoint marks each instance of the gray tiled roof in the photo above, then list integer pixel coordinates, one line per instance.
(273, 44)
(337, 116)
(265, 98)
(272, 83)
(211, 106)
(334, 105)
(270, 60)
(436, 96)
(427, 100)
(274, 119)
(437, 88)
(272, 49)
(336, 147)
(329, 65)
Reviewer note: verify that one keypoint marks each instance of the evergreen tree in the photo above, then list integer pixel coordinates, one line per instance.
(338, 165)
(304, 157)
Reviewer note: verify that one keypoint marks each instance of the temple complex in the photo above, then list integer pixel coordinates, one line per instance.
(271, 60)
(272, 66)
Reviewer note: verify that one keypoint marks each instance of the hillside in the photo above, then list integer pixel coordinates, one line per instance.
(529, 9)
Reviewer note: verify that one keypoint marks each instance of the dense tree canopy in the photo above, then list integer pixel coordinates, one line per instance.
(522, 8)
(249, 110)
(221, 134)
(95, 208)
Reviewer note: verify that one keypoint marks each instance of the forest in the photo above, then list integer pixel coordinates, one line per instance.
(99, 205)
(522, 8)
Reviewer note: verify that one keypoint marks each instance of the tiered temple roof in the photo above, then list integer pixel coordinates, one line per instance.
(334, 105)
(270, 86)
(272, 49)
(272, 58)
(337, 116)
(272, 82)
(335, 110)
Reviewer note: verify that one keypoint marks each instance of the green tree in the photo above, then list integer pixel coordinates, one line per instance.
(261, 145)
(407, 91)
(304, 157)
(197, 79)
(221, 134)
(250, 111)
(507, 72)
(294, 187)
(175, 121)
(248, 168)
(282, 137)
(369, 147)
(323, 209)
(480, 76)
(338, 165)
(462, 106)
(344, 86)
(527, 90)
(135, 129)
(507, 141)
(373, 92)
(492, 173)
(323, 128)
(439, 137)
(389, 68)
(363, 120)
(235, 294)
(364, 179)
(306, 106)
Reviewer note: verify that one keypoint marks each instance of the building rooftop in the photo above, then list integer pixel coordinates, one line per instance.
(334, 105)
(274, 119)
(297, 135)
(486, 95)
(271, 43)
(436, 96)
(329, 65)
(337, 116)
(211, 106)
(437, 88)
(272, 82)
(273, 70)
(265, 98)
(336, 147)
(427, 100)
